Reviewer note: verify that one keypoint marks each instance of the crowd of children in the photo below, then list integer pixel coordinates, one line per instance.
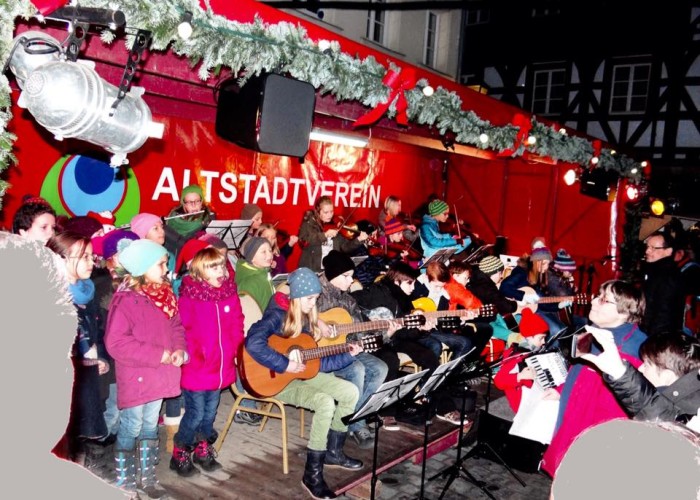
(161, 325)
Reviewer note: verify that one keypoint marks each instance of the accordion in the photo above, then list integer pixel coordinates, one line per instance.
(550, 369)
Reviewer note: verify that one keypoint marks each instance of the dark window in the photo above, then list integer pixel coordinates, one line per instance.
(630, 88)
(549, 91)
(375, 24)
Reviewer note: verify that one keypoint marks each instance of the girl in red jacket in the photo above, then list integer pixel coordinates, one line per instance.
(211, 314)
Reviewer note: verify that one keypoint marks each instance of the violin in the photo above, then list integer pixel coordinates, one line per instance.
(395, 250)
(407, 220)
(459, 229)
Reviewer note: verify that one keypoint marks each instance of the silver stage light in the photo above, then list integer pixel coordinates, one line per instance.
(70, 100)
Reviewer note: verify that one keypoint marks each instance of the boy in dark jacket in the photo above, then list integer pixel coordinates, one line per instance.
(666, 386)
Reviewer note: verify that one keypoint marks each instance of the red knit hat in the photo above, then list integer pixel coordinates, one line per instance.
(392, 226)
(531, 324)
(188, 251)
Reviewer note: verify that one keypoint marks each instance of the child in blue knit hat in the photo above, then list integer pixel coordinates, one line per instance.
(147, 341)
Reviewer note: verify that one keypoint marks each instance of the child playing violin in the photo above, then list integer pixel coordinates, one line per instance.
(392, 209)
(431, 238)
(318, 235)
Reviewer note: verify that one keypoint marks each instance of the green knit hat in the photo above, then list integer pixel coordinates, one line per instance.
(192, 188)
(437, 207)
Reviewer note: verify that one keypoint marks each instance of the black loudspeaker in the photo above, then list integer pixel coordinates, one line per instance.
(519, 453)
(500, 245)
(270, 113)
(599, 183)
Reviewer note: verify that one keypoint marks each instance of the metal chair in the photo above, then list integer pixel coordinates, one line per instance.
(252, 313)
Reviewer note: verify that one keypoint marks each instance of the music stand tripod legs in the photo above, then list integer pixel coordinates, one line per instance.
(480, 450)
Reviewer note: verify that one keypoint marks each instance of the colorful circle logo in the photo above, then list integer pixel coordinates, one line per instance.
(77, 184)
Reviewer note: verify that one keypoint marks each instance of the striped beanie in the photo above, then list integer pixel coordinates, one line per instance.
(490, 265)
(392, 226)
(437, 207)
(564, 262)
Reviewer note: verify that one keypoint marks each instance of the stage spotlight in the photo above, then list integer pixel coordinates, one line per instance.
(70, 99)
(632, 192)
(657, 207)
(570, 177)
(599, 183)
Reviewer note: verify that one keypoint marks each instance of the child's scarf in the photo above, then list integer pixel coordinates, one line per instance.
(82, 291)
(161, 294)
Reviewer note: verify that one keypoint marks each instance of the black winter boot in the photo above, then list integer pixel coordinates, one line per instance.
(313, 476)
(181, 462)
(148, 451)
(125, 461)
(335, 456)
(98, 458)
(205, 456)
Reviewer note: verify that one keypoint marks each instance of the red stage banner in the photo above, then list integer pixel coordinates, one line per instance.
(75, 176)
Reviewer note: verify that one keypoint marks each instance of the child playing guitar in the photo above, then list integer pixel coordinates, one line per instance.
(330, 398)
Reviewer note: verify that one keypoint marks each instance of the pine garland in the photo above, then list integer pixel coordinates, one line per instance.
(285, 47)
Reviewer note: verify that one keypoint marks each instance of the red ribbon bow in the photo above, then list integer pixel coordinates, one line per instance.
(524, 125)
(398, 82)
(597, 144)
(46, 7)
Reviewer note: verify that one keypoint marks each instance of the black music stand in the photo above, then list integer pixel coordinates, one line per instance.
(474, 256)
(233, 232)
(480, 450)
(386, 395)
(443, 255)
(436, 379)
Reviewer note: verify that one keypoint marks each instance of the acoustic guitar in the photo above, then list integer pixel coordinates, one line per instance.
(264, 382)
(343, 323)
(450, 319)
(580, 298)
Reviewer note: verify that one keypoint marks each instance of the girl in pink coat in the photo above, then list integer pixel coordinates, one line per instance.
(146, 339)
(213, 320)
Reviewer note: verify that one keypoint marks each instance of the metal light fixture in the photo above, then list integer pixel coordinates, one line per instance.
(570, 177)
(657, 207)
(70, 99)
(337, 138)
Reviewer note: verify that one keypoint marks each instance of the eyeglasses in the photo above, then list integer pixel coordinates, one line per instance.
(192, 202)
(649, 247)
(86, 257)
(603, 300)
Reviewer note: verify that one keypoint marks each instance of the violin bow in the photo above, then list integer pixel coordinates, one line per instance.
(459, 230)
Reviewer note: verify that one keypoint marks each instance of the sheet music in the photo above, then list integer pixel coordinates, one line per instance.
(536, 417)
(231, 231)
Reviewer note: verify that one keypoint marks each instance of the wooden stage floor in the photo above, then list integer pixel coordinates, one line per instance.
(252, 460)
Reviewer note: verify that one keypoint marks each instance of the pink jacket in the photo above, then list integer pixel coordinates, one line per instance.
(213, 322)
(137, 334)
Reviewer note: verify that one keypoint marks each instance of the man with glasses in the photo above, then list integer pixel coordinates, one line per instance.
(662, 286)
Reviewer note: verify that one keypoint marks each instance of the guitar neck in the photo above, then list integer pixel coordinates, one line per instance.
(482, 311)
(367, 326)
(550, 300)
(322, 352)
